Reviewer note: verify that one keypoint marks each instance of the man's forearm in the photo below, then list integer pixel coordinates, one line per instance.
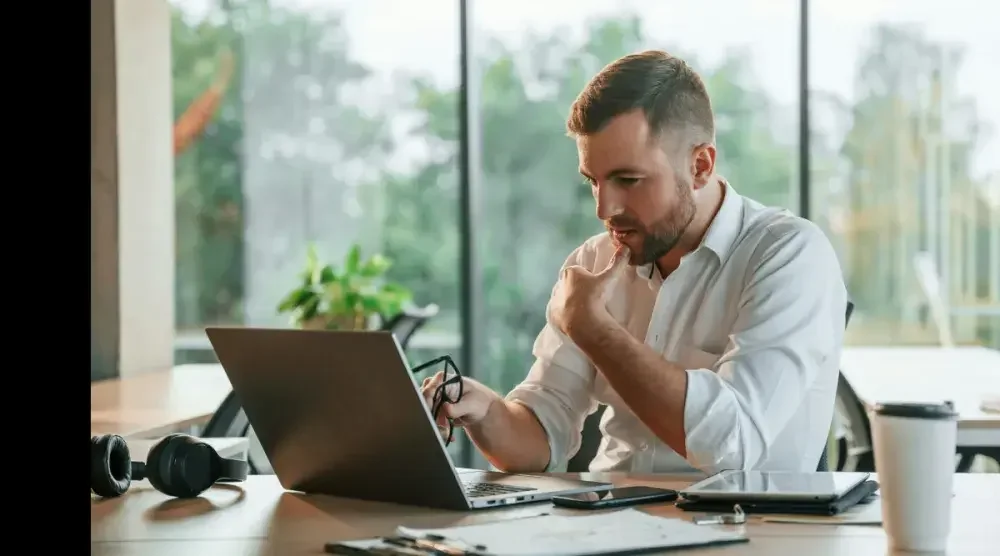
(511, 438)
(653, 388)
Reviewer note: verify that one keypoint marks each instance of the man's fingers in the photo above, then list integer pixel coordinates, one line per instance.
(573, 269)
(429, 385)
(617, 263)
(433, 379)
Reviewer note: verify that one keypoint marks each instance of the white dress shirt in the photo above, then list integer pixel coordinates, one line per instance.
(756, 317)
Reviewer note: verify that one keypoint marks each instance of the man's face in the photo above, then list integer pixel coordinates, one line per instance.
(646, 203)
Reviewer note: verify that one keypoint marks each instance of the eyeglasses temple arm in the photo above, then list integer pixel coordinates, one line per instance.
(430, 363)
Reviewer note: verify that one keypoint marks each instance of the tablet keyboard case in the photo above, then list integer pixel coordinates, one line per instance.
(857, 495)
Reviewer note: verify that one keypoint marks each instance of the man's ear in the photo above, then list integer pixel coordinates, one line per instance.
(702, 164)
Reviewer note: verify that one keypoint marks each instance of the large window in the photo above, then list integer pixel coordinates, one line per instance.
(906, 164)
(336, 127)
(339, 125)
(533, 58)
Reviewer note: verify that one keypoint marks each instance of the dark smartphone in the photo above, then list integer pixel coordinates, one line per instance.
(615, 498)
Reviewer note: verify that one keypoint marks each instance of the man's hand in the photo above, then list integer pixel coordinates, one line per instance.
(471, 408)
(579, 301)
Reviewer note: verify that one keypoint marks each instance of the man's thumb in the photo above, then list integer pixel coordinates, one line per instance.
(617, 263)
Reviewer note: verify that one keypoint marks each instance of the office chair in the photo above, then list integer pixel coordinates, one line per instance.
(228, 421)
(590, 441)
(404, 325)
(854, 448)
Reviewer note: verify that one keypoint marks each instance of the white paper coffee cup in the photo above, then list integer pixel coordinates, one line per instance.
(915, 461)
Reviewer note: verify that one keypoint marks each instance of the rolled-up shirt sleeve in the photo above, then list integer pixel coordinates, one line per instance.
(558, 388)
(789, 325)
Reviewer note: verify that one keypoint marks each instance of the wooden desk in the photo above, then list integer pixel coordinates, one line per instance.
(157, 403)
(234, 448)
(264, 519)
(964, 375)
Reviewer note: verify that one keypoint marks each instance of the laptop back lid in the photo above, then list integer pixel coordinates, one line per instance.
(337, 412)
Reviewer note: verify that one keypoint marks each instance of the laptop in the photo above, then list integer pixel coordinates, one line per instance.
(339, 413)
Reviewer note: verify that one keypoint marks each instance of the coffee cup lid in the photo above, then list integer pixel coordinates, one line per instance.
(938, 411)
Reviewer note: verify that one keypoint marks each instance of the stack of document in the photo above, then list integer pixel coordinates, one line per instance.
(619, 532)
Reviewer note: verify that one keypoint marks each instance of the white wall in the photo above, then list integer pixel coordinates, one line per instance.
(132, 199)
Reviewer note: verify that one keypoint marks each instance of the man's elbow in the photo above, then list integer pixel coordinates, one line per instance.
(742, 446)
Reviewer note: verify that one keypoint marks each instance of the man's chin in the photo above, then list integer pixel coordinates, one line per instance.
(636, 259)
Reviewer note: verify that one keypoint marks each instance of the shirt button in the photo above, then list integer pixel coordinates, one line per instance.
(644, 446)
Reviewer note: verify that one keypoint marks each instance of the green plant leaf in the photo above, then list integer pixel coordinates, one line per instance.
(334, 290)
(352, 302)
(371, 304)
(353, 260)
(309, 309)
(327, 274)
(355, 293)
(395, 289)
(295, 299)
(312, 263)
(375, 266)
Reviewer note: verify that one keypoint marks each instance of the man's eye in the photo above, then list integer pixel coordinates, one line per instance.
(627, 181)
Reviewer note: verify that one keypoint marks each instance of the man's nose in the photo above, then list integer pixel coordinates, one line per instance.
(608, 203)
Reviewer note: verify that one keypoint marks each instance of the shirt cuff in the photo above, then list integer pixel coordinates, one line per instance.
(530, 397)
(711, 423)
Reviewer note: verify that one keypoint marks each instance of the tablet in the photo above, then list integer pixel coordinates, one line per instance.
(774, 485)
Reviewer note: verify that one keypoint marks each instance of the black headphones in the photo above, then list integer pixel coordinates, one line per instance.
(178, 465)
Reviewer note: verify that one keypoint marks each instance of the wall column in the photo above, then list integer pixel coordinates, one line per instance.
(131, 188)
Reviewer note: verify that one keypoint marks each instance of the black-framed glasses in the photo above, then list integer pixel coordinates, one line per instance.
(449, 391)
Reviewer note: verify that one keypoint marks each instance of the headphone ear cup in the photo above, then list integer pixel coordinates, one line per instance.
(181, 466)
(158, 465)
(110, 466)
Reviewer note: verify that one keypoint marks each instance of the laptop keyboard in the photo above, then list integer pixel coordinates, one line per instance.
(481, 490)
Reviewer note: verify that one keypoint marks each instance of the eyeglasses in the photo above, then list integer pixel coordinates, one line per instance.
(449, 391)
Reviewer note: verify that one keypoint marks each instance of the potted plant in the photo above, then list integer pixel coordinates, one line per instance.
(345, 299)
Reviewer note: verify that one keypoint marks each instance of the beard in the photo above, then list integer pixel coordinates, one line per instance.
(657, 239)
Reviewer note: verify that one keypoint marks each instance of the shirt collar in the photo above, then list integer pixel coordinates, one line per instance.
(721, 234)
(726, 226)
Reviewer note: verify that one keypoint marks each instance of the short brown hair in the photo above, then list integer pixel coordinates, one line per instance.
(670, 94)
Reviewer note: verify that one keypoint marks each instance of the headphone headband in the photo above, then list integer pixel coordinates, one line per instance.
(232, 470)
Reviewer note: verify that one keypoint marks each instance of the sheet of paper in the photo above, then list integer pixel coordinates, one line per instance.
(862, 514)
(562, 535)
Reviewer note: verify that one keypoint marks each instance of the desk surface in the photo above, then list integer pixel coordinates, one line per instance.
(157, 403)
(964, 375)
(265, 519)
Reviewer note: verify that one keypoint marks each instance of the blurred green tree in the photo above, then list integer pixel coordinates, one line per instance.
(908, 153)
(292, 74)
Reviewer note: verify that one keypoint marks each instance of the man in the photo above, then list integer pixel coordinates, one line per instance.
(711, 326)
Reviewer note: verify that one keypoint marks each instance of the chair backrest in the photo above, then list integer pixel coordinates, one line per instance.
(590, 435)
(590, 441)
(404, 325)
(229, 421)
(824, 464)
